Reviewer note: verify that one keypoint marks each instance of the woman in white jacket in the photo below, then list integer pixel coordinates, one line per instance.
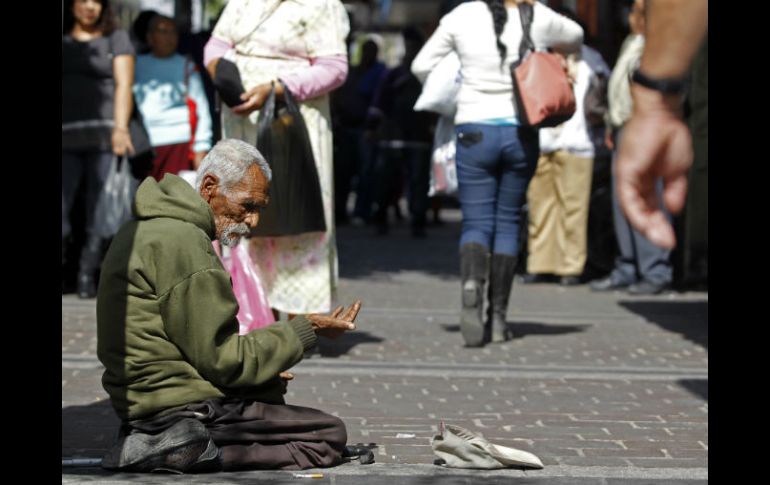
(496, 156)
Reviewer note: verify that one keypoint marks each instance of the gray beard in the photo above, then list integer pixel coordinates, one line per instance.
(232, 234)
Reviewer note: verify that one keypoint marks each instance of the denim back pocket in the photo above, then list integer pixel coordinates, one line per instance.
(469, 138)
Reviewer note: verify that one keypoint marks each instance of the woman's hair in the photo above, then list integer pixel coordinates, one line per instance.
(106, 22)
(499, 18)
(229, 160)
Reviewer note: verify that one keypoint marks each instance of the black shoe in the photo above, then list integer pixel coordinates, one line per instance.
(365, 455)
(185, 446)
(569, 280)
(646, 287)
(608, 284)
(532, 278)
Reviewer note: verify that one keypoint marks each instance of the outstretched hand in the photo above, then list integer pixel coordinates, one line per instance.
(336, 323)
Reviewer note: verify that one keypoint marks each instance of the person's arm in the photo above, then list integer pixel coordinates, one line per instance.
(440, 43)
(656, 142)
(200, 317)
(123, 72)
(214, 50)
(324, 75)
(565, 36)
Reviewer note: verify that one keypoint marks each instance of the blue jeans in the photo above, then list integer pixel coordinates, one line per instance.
(494, 167)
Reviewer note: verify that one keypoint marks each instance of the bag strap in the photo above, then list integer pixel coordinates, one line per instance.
(527, 15)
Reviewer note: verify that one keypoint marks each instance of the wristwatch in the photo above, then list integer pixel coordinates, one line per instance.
(665, 86)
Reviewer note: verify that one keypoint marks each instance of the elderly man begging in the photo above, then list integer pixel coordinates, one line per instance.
(192, 394)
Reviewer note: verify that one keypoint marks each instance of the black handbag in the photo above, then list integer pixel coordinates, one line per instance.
(296, 205)
(227, 82)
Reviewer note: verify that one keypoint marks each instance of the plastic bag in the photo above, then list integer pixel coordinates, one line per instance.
(296, 205)
(439, 92)
(254, 310)
(443, 174)
(114, 205)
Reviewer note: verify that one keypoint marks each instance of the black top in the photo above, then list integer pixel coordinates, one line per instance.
(88, 89)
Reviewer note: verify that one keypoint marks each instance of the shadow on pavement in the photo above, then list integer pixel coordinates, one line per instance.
(697, 387)
(343, 344)
(523, 329)
(88, 430)
(364, 255)
(688, 318)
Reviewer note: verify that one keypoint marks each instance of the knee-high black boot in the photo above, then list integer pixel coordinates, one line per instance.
(474, 260)
(500, 282)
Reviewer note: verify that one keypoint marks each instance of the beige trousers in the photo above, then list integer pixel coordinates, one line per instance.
(558, 198)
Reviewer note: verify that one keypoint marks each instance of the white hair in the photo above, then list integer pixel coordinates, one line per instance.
(229, 161)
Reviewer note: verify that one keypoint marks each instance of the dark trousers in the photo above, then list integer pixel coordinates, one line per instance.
(254, 435)
(89, 167)
(88, 171)
(415, 159)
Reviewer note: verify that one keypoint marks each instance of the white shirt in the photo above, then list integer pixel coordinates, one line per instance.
(486, 91)
(573, 135)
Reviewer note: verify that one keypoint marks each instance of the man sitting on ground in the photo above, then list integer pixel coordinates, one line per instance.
(192, 394)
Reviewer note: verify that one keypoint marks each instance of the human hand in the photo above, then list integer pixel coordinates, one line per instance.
(335, 324)
(255, 98)
(121, 142)
(656, 144)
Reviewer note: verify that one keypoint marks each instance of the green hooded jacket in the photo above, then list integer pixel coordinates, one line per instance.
(167, 316)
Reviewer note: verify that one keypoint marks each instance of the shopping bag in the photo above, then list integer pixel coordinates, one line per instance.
(443, 174)
(296, 205)
(113, 207)
(254, 310)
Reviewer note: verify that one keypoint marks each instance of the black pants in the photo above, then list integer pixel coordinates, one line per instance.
(254, 435)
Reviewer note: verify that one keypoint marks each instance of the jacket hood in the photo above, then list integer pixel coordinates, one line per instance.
(174, 198)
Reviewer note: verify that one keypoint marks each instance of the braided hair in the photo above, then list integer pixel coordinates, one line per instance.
(499, 18)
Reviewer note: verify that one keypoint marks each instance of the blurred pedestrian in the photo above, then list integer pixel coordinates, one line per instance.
(496, 156)
(97, 75)
(559, 193)
(302, 45)
(641, 267)
(165, 84)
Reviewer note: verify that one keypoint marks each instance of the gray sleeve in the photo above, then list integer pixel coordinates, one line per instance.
(121, 44)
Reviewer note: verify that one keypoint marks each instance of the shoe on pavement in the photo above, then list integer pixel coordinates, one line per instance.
(569, 280)
(185, 446)
(462, 448)
(608, 284)
(532, 278)
(646, 287)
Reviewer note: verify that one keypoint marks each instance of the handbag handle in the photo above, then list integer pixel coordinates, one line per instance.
(526, 14)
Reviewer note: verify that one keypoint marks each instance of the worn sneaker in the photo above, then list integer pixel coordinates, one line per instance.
(185, 446)
(458, 447)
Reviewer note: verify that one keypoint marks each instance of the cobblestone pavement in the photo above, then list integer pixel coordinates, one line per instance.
(604, 388)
